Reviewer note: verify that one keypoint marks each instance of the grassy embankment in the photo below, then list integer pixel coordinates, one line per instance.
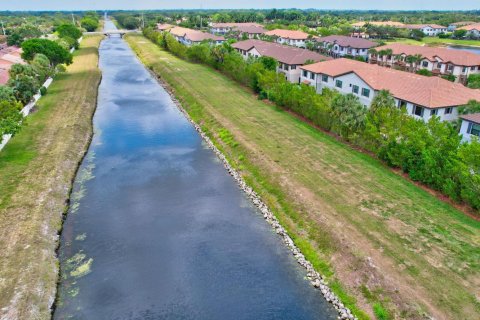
(436, 41)
(375, 235)
(36, 172)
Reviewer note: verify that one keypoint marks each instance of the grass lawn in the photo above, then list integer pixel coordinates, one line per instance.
(394, 247)
(436, 41)
(36, 171)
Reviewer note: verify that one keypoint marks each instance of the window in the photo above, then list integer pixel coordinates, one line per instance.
(402, 104)
(448, 110)
(474, 129)
(312, 75)
(338, 83)
(418, 111)
(464, 69)
(473, 68)
(433, 112)
(305, 73)
(355, 89)
(293, 67)
(450, 67)
(439, 65)
(425, 64)
(324, 78)
(365, 92)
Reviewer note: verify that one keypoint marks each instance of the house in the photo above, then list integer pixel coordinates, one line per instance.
(470, 126)
(190, 37)
(423, 97)
(251, 32)
(473, 30)
(164, 26)
(453, 26)
(440, 61)
(431, 30)
(289, 58)
(339, 46)
(8, 57)
(226, 27)
(290, 37)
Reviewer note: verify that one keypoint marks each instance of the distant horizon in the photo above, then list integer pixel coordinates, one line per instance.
(153, 5)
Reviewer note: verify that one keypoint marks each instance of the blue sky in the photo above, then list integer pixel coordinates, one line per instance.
(188, 4)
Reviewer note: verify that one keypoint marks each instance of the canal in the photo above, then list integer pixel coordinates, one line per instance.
(157, 229)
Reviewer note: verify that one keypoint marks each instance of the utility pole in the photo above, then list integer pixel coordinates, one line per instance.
(3, 28)
(143, 21)
(73, 19)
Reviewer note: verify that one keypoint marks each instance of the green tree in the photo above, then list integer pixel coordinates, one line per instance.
(459, 34)
(268, 63)
(68, 30)
(41, 66)
(52, 50)
(23, 33)
(7, 94)
(24, 87)
(473, 81)
(10, 117)
(417, 34)
(348, 114)
(472, 106)
(89, 24)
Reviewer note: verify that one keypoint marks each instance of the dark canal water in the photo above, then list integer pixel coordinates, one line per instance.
(466, 48)
(157, 229)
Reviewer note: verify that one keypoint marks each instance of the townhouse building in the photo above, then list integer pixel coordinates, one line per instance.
(291, 37)
(431, 30)
(190, 37)
(226, 27)
(470, 126)
(440, 61)
(289, 59)
(422, 97)
(340, 46)
(473, 30)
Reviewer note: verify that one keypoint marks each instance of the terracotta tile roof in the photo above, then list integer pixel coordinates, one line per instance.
(352, 42)
(379, 23)
(282, 53)
(473, 117)
(3, 76)
(250, 29)
(431, 92)
(462, 23)
(194, 35)
(457, 57)
(475, 26)
(421, 26)
(164, 26)
(235, 24)
(288, 34)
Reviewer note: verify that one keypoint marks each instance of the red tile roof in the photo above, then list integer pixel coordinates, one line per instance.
(457, 57)
(234, 24)
(194, 35)
(473, 117)
(164, 26)
(345, 41)
(431, 92)
(475, 26)
(250, 29)
(3, 76)
(282, 53)
(288, 34)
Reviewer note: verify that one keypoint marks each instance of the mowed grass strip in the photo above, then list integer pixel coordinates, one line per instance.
(36, 171)
(385, 241)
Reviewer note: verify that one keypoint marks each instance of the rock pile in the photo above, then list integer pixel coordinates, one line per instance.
(314, 277)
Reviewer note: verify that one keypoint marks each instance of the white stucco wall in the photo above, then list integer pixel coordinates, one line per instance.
(464, 131)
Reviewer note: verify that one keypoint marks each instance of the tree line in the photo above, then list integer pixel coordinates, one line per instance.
(45, 58)
(429, 152)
